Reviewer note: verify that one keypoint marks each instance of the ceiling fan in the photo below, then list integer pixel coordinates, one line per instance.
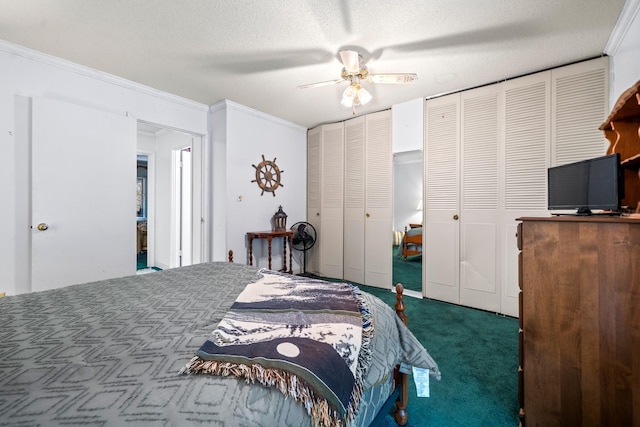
(355, 73)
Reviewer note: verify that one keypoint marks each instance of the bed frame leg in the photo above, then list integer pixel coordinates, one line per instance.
(402, 379)
(400, 415)
(230, 255)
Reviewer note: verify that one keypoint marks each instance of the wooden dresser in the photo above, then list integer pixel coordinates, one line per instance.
(579, 321)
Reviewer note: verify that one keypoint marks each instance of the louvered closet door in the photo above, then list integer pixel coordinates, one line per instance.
(313, 195)
(354, 203)
(526, 158)
(580, 94)
(479, 213)
(332, 206)
(441, 231)
(378, 204)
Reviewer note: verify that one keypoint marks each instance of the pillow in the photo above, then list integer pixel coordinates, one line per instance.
(397, 237)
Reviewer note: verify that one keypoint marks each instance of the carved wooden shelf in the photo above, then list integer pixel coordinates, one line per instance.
(631, 162)
(622, 129)
(627, 107)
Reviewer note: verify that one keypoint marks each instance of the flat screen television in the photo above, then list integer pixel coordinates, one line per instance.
(593, 184)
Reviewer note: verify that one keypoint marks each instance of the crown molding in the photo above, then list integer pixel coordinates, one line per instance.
(629, 13)
(81, 70)
(227, 104)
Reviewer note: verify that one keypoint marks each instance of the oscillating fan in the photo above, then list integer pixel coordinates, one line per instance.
(304, 238)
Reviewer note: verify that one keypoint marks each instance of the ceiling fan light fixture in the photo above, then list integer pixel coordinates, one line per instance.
(363, 96)
(346, 102)
(354, 95)
(349, 95)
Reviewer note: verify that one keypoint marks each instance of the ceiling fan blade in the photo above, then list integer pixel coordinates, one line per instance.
(257, 62)
(466, 39)
(350, 60)
(393, 78)
(320, 84)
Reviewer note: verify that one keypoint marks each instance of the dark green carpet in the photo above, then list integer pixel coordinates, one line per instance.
(142, 260)
(408, 272)
(477, 353)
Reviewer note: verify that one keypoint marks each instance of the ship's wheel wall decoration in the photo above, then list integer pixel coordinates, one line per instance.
(268, 176)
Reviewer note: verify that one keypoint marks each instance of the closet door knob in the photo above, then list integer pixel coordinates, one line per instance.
(42, 226)
(455, 217)
(367, 214)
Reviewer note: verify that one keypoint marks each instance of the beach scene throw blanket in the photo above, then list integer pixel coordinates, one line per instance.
(308, 338)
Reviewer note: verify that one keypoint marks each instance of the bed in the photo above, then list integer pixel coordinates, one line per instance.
(111, 353)
(412, 241)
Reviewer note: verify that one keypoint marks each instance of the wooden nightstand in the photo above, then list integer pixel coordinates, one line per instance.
(270, 235)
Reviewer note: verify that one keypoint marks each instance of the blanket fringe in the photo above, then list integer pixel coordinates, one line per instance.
(365, 356)
(288, 384)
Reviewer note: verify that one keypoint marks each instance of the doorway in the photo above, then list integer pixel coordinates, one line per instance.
(407, 214)
(142, 206)
(174, 196)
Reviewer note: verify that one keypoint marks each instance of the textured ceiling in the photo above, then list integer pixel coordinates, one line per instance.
(255, 52)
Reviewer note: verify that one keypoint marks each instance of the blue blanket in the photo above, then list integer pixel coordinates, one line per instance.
(309, 338)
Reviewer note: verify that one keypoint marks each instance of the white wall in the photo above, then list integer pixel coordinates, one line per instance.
(407, 189)
(247, 136)
(238, 137)
(624, 50)
(218, 179)
(27, 74)
(408, 127)
(408, 141)
(146, 142)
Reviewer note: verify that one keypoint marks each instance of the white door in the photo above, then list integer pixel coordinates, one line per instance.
(313, 195)
(354, 200)
(197, 238)
(527, 142)
(182, 205)
(332, 201)
(378, 204)
(441, 231)
(480, 205)
(83, 194)
(461, 193)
